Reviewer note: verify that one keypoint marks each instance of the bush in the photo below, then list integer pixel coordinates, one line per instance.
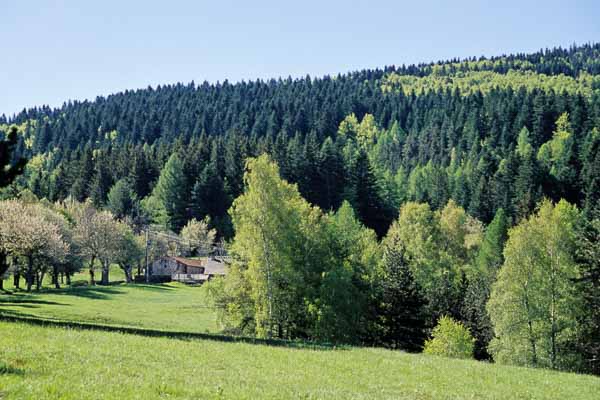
(450, 339)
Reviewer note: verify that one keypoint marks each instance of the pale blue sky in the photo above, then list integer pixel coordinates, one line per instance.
(53, 51)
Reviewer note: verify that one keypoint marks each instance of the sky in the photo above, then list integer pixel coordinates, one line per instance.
(53, 51)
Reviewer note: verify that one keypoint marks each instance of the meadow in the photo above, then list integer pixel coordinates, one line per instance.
(48, 362)
(171, 306)
(58, 363)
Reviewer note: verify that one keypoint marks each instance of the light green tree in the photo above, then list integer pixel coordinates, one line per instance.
(440, 247)
(556, 154)
(349, 127)
(199, 237)
(347, 252)
(269, 241)
(450, 339)
(534, 305)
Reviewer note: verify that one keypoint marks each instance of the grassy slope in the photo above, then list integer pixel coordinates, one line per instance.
(56, 363)
(173, 306)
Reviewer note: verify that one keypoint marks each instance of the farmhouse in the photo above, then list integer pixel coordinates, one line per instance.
(187, 269)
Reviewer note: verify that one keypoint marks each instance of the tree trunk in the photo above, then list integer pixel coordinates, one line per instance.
(29, 275)
(68, 278)
(55, 274)
(91, 268)
(39, 280)
(3, 268)
(17, 280)
(127, 270)
(532, 341)
(105, 272)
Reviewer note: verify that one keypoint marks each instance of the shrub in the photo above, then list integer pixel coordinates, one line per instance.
(450, 339)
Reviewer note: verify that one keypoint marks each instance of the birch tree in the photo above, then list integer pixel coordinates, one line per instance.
(267, 219)
(534, 304)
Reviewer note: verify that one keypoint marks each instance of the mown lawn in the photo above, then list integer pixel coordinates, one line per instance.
(172, 306)
(58, 363)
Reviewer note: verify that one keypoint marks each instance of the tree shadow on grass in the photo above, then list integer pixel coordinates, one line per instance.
(6, 369)
(151, 286)
(28, 302)
(89, 292)
(15, 316)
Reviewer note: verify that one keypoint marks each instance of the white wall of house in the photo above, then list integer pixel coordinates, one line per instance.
(165, 266)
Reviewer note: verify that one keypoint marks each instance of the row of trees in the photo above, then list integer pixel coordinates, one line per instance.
(38, 238)
(522, 292)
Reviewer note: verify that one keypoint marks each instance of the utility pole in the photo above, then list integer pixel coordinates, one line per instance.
(147, 270)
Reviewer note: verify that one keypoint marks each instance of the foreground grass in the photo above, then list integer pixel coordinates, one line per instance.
(173, 306)
(58, 363)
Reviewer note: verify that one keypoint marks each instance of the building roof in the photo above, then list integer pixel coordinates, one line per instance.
(189, 262)
(214, 267)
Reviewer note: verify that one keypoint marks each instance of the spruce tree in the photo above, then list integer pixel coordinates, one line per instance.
(488, 262)
(590, 174)
(209, 198)
(101, 183)
(171, 193)
(331, 169)
(82, 175)
(588, 256)
(365, 196)
(527, 190)
(121, 199)
(9, 170)
(401, 305)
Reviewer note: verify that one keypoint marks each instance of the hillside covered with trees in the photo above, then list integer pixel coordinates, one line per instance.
(452, 207)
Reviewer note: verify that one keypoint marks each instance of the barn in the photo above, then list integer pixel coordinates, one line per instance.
(189, 270)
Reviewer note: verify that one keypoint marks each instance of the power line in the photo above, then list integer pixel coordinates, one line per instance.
(202, 244)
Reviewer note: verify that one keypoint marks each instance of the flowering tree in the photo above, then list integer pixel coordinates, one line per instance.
(31, 232)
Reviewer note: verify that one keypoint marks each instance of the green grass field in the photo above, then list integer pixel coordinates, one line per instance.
(172, 306)
(48, 362)
(57, 363)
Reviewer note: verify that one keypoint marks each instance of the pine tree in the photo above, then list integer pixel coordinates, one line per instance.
(83, 174)
(527, 190)
(171, 193)
(488, 262)
(589, 288)
(121, 199)
(401, 305)
(331, 169)
(9, 170)
(590, 174)
(141, 174)
(490, 258)
(101, 183)
(364, 195)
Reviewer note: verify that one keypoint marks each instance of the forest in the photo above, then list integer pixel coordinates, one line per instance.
(451, 208)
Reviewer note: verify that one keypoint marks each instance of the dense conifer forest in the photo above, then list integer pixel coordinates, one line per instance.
(463, 171)
(424, 134)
